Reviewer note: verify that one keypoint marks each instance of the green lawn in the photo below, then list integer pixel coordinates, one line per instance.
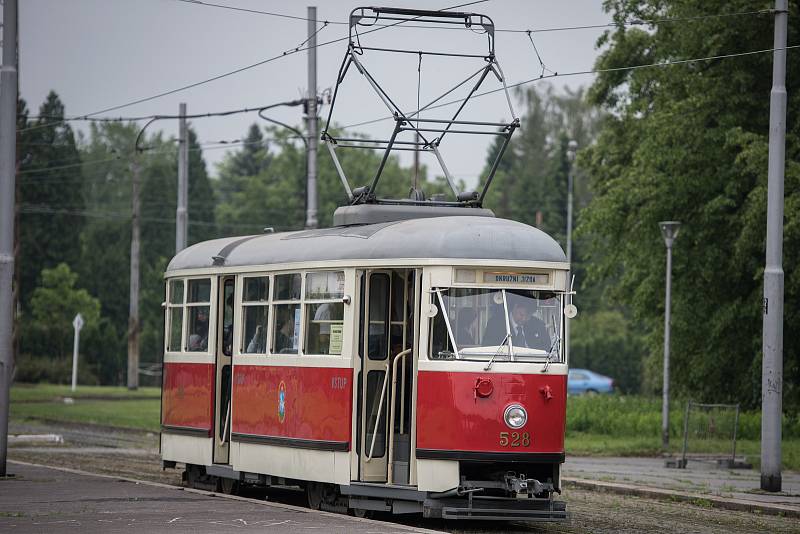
(138, 413)
(600, 425)
(49, 392)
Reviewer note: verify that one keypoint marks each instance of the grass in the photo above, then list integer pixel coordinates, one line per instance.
(50, 392)
(597, 426)
(136, 414)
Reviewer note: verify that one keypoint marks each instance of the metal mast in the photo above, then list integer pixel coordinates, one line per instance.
(311, 116)
(8, 164)
(182, 215)
(772, 362)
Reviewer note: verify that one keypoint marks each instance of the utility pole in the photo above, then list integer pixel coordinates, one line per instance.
(669, 230)
(772, 343)
(182, 215)
(8, 166)
(133, 315)
(311, 117)
(572, 147)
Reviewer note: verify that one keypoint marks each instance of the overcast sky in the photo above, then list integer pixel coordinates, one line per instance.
(98, 54)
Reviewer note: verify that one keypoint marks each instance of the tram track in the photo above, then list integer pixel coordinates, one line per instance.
(134, 454)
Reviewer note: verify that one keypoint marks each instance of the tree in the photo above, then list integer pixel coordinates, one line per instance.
(54, 304)
(51, 216)
(689, 142)
(276, 195)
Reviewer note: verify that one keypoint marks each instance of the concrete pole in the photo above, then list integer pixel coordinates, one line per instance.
(77, 324)
(311, 116)
(571, 153)
(667, 317)
(133, 315)
(772, 343)
(182, 214)
(8, 157)
(572, 148)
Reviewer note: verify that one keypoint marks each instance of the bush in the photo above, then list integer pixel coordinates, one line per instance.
(34, 370)
(634, 416)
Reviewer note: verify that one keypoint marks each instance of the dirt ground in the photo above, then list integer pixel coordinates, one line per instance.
(135, 455)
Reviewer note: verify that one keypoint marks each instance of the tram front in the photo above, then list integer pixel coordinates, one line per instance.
(492, 388)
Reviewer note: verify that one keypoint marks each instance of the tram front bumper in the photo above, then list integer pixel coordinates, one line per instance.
(495, 508)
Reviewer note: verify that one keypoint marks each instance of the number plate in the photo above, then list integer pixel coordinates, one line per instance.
(515, 439)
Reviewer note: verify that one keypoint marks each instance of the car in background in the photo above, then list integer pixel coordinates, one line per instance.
(583, 381)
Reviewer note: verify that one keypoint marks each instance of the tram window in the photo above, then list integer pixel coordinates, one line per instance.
(324, 330)
(377, 343)
(287, 286)
(324, 320)
(176, 291)
(287, 328)
(255, 314)
(375, 381)
(325, 285)
(199, 290)
(198, 303)
(175, 315)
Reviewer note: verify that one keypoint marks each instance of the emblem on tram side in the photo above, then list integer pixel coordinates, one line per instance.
(281, 401)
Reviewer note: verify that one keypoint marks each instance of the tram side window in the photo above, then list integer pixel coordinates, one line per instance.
(286, 314)
(175, 315)
(324, 329)
(255, 314)
(198, 308)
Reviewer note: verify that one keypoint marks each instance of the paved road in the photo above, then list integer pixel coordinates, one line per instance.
(49, 500)
(698, 477)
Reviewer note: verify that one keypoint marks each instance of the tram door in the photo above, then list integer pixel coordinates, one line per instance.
(224, 350)
(385, 408)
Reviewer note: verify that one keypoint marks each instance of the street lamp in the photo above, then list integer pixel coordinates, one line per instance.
(572, 147)
(669, 229)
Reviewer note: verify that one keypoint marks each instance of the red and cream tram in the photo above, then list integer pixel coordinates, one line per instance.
(408, 359)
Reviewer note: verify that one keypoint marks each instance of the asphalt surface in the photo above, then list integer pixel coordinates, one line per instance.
(698, 478)
(47, 500)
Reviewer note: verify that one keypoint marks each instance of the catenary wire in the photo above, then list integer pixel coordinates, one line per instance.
(580, 73)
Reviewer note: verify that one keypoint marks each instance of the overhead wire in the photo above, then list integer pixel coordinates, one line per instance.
(580, 73)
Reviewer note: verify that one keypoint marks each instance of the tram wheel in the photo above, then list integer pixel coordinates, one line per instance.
(229, 486)
(192, 475)
(321, 496)
(359, 512)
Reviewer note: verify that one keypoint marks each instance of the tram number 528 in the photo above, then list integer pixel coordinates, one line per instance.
(515, 439)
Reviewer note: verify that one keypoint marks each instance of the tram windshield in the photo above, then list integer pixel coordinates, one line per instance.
(497, 324)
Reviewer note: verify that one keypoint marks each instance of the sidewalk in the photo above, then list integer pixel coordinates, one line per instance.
(43, 499)
(736, 489)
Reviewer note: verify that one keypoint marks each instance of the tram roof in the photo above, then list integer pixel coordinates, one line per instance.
(448, 237)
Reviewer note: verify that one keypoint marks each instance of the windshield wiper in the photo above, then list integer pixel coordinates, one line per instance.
(491, 361)
(549, 359)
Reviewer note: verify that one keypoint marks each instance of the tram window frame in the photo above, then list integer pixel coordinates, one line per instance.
(334, 299)
(291, 304)
(172, 307)
(246, 305)
(190, 306)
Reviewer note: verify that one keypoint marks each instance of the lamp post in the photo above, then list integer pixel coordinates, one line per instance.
(669, 229)
(572, 147)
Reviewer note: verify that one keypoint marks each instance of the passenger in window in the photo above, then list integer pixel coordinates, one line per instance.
(527, 330)
(198, 340)
(227, 333)
(284, 337)
(257, 343)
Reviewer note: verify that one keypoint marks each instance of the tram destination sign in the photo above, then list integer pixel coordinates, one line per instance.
(516, 278)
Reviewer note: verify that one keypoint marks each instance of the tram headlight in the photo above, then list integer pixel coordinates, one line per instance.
(515, 416)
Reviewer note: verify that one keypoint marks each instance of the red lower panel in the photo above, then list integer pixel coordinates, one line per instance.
(316, 403)
(188, 395)
(452, 415)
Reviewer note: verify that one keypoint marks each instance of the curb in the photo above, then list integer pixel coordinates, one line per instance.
(233, 497)
(694, 498)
